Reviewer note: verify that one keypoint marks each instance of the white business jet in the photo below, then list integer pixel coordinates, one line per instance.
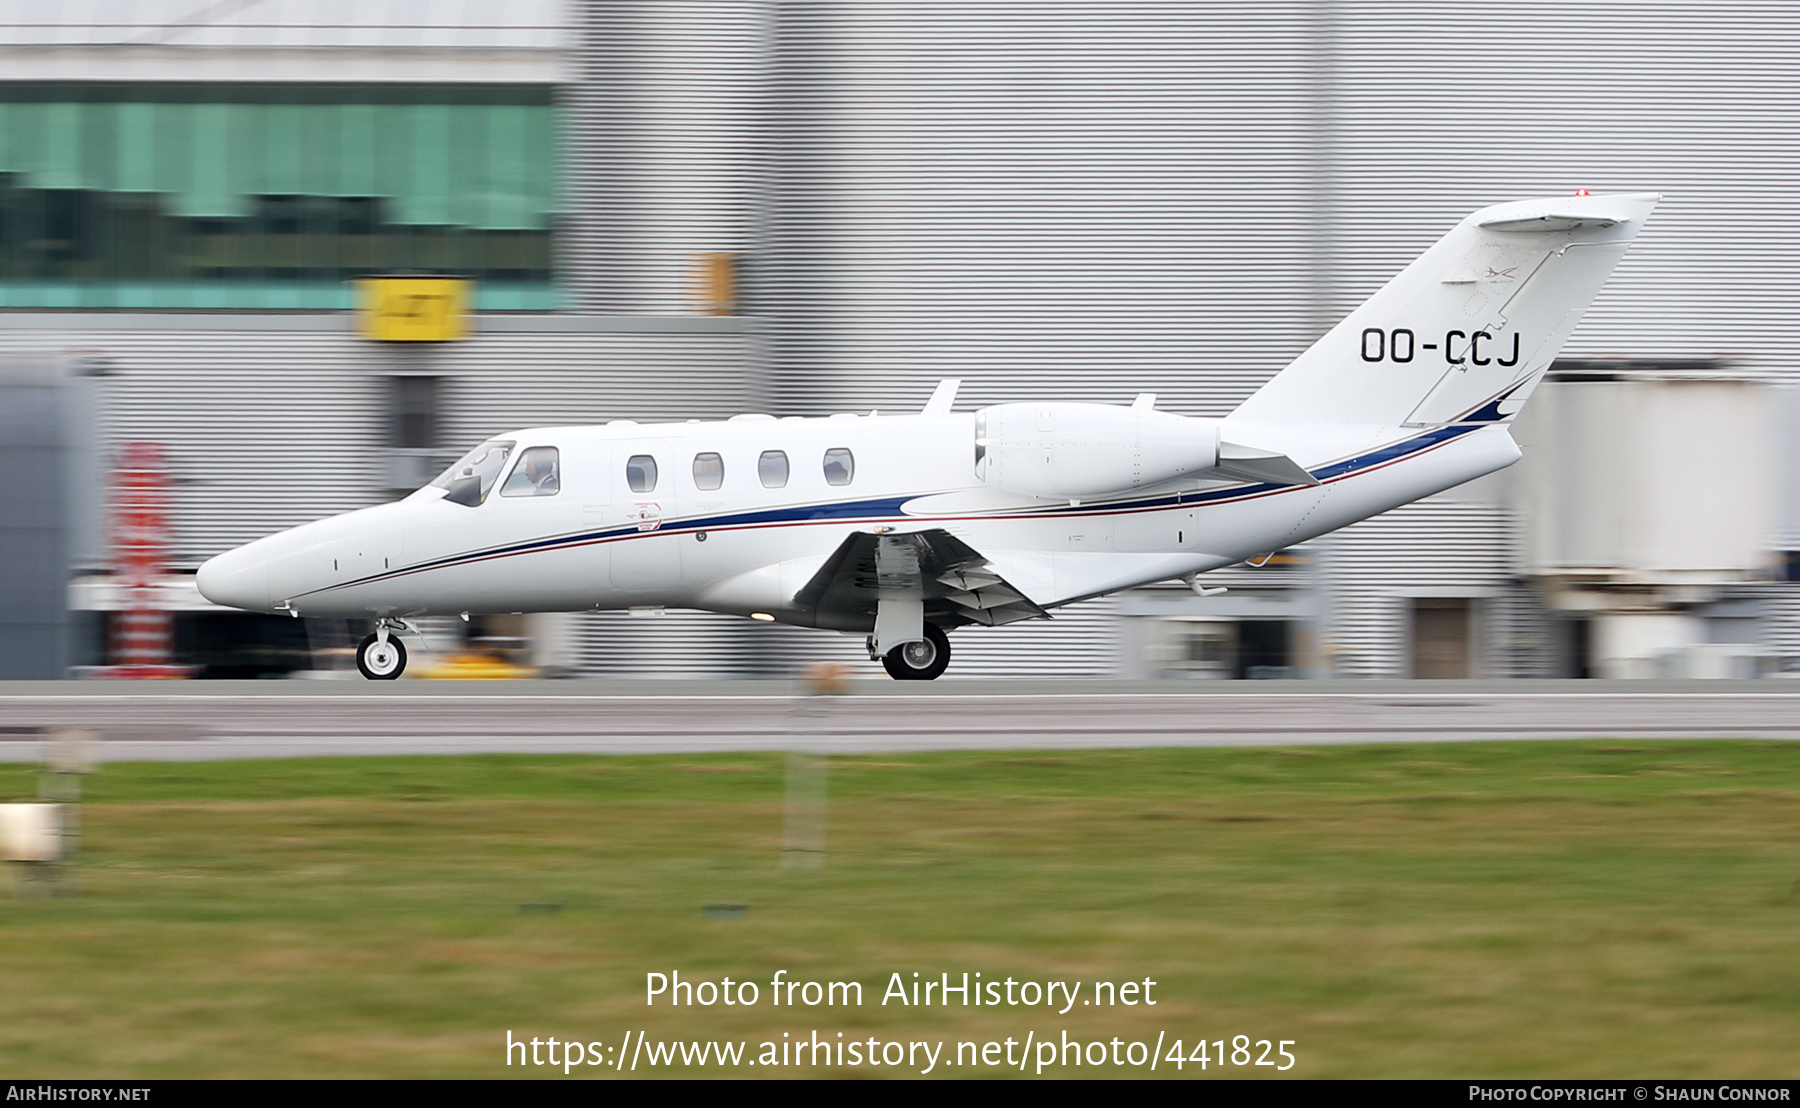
(905, 527)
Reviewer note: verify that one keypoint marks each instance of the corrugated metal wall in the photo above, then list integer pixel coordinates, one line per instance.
(1441, 107)
(1176, 197)
(1781, 626)
(661, 128)
(268, 429)
(1074, 200)
(1375, 569)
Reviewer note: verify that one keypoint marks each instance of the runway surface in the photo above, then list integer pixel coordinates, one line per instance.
(199, 721)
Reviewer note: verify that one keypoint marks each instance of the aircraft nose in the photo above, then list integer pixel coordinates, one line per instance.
(237, 579)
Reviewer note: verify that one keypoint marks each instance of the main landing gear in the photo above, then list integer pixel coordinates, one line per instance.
(919, 661)
(381, 657)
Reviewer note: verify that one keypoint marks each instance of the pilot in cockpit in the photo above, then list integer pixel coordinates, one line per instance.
(536, 474)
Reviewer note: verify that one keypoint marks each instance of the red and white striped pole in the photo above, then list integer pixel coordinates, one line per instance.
(142, 632)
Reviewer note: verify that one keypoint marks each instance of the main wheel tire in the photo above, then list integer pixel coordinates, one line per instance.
(919, 661)
(381, 662)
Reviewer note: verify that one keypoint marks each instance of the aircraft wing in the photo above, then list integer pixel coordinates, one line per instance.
(951, 578)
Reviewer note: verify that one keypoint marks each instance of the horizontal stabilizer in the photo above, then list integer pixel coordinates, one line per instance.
(1551, 223)
(1251, 464)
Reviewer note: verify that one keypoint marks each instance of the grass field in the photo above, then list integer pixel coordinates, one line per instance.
(1531, 909)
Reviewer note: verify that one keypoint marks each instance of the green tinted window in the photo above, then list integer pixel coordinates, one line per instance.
(271, 197)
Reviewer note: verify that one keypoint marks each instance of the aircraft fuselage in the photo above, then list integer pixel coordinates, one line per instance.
(747, 548)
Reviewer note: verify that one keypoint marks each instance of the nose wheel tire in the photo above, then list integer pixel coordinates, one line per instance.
(381, 661)
(919, 661)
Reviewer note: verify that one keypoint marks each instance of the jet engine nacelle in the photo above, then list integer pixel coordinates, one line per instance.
(1067, 451)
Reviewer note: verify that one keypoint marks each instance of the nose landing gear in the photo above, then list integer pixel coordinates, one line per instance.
(381, 657)
(924, 660)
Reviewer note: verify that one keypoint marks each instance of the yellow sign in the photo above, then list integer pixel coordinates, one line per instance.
(412, 309)
(715, 283)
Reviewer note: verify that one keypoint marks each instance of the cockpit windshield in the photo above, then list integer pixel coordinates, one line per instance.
(469, 480)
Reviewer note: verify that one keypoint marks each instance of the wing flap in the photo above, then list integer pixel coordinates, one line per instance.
(953, 579)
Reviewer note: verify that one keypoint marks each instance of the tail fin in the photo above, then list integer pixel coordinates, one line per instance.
(1464, 333)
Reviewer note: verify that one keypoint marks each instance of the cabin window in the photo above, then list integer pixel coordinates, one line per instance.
(709, 472)
(772, 468)
(640, 473)
(840, 466)
(537, 474)
(469, 480)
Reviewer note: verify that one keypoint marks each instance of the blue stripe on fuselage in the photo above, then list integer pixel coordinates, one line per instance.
(889, 508)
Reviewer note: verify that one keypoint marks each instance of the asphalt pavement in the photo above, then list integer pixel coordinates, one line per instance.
(201, 720)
